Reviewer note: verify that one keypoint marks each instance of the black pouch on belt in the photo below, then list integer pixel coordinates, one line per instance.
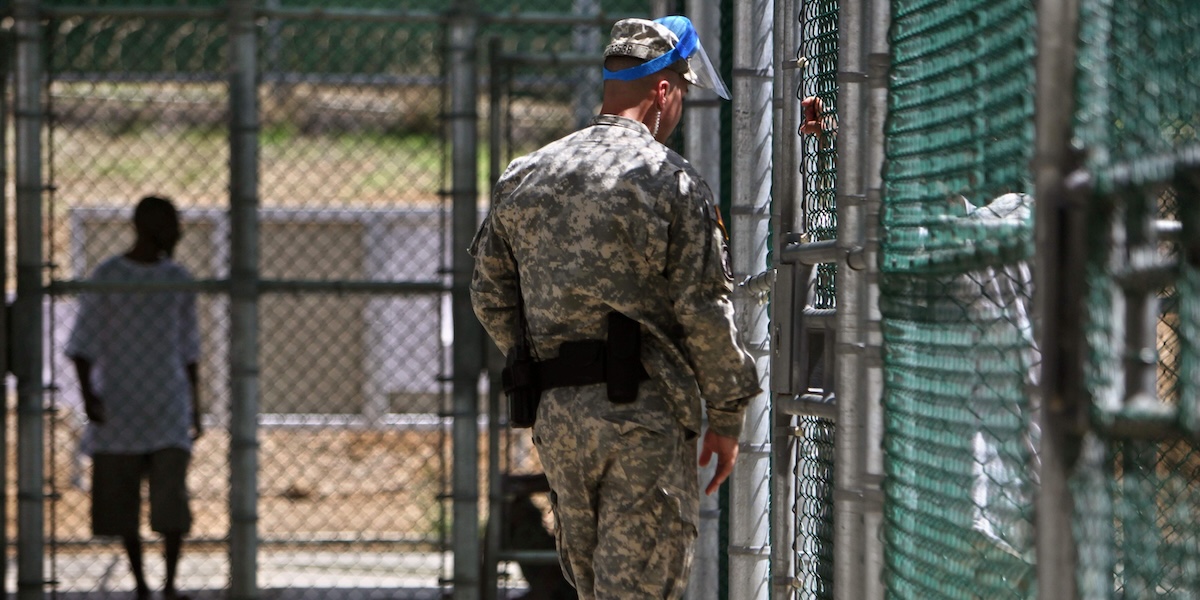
(623, 358)
(521, 385)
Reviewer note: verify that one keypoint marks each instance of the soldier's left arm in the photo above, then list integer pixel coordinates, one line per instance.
(701, 283)
(494, 284)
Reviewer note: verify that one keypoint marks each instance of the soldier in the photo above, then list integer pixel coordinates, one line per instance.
(604, 252)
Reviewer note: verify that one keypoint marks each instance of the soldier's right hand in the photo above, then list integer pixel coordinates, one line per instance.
(725, 448)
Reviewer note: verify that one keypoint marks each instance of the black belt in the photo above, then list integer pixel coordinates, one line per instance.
(578, 363)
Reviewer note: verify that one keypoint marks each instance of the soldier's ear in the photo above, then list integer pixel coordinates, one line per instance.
(661, 90)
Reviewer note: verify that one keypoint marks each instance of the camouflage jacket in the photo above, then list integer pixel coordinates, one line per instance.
(609, 219)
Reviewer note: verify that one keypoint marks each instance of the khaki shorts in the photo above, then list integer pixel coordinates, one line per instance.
(117, 492)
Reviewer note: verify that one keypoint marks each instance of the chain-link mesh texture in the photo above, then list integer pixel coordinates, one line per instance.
(819, 35)
(353, 452)
(353, 456)
(812, 505)
(537, 96)
(955, 298)
(813, 508)
(544, 85)
(1135, 121)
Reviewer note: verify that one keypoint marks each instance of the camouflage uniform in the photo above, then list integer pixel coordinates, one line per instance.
(607, 219)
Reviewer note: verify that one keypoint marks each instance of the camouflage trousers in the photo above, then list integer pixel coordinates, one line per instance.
(625, 492)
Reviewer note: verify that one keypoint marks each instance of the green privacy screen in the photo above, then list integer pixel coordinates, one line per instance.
(1137, 499)
(959, 356)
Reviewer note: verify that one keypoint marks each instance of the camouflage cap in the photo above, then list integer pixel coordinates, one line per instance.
(640, 38)
(665, 43)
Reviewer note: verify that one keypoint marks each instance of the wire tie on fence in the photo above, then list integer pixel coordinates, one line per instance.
(791, 582)
(799, 63)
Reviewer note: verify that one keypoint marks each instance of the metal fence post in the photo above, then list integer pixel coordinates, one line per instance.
(5, 319)
(1057, 306)
(243, 304)
(858, 499)
(702, 148)
(468, 334)
(877, 65)
(753, 72)
(27, 317)
(785, 214)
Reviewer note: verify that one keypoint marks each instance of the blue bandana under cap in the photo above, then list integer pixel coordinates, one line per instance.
(683, 30)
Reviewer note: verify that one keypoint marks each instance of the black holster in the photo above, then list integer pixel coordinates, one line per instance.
(616, 362)
(623, 369)
(520, 381)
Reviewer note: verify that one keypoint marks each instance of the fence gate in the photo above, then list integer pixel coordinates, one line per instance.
(350, 436)
(536, 95)
(1135, 491)
(804, 311)
(545, 84)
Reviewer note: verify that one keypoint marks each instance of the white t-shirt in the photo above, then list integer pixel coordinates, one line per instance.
(139, 344)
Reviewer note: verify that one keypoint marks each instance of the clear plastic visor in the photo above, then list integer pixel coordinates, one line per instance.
(703, 73)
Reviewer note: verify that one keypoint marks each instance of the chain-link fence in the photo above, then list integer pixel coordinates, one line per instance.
(352, 455)
(536, 96)
(350, 446)
(355, 248)
(959, 354)
(814, 461)
(1135, 492)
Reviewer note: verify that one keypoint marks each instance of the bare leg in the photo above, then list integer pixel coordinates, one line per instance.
(133, 547)
(172, 548)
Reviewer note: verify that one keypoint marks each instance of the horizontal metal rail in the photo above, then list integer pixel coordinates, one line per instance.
(820, 318)
(536, 557)
(1124, 173)
(825, 251)
(551, 59)
(814, 405)
(1159, 423)
(399, 15)
(265, 286)
(331, 539)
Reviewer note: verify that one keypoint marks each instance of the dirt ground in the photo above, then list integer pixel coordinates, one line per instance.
(315, 484)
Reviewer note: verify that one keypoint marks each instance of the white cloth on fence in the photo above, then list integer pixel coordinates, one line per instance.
(998, 297)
